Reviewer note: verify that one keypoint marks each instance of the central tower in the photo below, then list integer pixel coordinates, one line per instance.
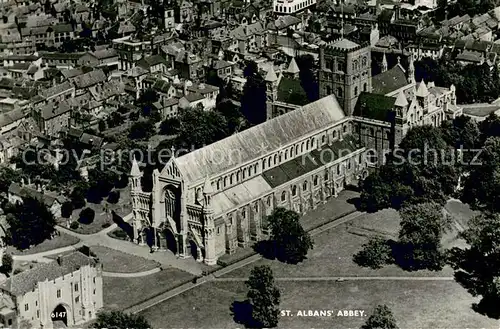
(345, 70)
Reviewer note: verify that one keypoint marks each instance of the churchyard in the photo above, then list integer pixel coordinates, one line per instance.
(420, 299)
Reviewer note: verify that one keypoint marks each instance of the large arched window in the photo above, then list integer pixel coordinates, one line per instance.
(231, 180)
(296, 149)
(294, 190)
(225, 181)
(275, 159)
(238, 176)
(315, 180)
(334, 134)
(269, 163)
(304, 186)
(283, 196)
(218, 184)
(286, 154)
(323, 139)
(307, 145)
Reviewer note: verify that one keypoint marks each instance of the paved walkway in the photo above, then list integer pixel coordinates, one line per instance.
(350, 278)
(165, 258)
(131, 275)
(215, 276)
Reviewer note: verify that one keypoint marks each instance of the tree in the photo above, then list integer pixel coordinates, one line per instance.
(375, 254)
(7, 176)
(66, 209)
(87, 216)
(422, 168)
(142, 129)
(30, 223)
(291, 242)
(482, 186)
(118, 320)
(7, 263)
(422, 227)
(114, 197)
(264, 297)
(199, 128)
(254, 99)
(78, 194)
(490, 127)
(381, 318)
(477, 267)
(462, 133)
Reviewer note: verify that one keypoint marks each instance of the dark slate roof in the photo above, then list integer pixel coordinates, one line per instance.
(21, 283)
(290, 91)
(389, 80)
(54, 109)
(317, 158)
(89, 79)
(374, 106)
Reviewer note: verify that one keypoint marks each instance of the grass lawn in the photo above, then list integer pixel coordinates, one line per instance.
(101, 220)
(121, 293)
(416, 304)
(334, 249)
(60, 241)
(119, 262)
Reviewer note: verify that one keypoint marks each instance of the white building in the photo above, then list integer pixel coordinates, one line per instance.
(291, 6)
(66, 291)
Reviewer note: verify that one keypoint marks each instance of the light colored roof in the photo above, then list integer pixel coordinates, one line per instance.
(240, 194)
(422, 89)
(401, 100)
(250, 144)
(345, 44)
(293, 68)
(135, 171)
(271, 75)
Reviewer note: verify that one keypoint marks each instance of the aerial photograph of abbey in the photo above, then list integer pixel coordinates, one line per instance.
(229, 164)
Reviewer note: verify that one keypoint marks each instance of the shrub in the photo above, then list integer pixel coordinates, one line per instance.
(86, 251)
(120, 234)
(114, 197)
(375, 254)
(74, 225)
(87, 216)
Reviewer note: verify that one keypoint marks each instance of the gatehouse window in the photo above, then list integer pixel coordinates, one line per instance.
(334, 134)
(304, 186)
(283, 196)
(323, 139)
(315, 181)
(294, 190)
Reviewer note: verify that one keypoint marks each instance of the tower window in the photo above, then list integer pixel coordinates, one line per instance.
(339, 93)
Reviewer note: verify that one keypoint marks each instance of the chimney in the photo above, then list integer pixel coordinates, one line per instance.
(59, 260)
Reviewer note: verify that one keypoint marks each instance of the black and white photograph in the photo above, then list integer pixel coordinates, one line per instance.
(250, 164)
